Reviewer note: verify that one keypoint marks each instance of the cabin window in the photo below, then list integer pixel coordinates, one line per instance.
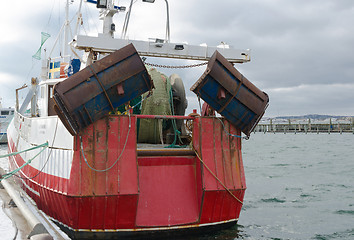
(51, 110)
(5, 112)
(50, 91)
(12, 112)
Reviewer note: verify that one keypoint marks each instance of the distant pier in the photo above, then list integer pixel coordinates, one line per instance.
(306, 126)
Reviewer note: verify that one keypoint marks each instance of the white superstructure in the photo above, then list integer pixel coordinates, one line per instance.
(6, 115)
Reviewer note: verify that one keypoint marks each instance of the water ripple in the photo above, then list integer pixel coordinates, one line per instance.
(273, 200)
(348, 234)
(350, 212)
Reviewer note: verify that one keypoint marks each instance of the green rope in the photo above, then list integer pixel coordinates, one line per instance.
(15, 153)
(10, 174)
(174, 125)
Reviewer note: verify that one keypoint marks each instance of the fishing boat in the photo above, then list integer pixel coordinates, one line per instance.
(112, 150)
(6, 115)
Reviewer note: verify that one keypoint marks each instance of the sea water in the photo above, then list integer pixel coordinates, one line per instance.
(299, 186)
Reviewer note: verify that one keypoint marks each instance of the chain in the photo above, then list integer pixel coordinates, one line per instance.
(184, 66)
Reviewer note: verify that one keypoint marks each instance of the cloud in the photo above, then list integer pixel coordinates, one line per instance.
(302, 51)
(335, 99)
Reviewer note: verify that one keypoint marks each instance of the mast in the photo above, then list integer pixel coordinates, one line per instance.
(106, 15)
(66, 30)
(168, 37)
(79, 19)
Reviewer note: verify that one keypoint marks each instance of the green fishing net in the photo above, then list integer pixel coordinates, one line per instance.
(44, 37)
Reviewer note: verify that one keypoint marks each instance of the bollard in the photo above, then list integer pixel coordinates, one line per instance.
(33, 222)
(43, 236)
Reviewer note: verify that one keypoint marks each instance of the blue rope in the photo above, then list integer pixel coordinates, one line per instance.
(232, 135)
(140, 102)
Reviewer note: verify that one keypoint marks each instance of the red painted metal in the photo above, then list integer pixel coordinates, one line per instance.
(165, 117)
(218, 151)
(168, 195)
(142, 191)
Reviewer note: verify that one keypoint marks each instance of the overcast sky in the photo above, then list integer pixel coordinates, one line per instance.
(302, 51)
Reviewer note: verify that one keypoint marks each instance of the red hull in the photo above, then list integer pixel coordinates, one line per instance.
(142, 192)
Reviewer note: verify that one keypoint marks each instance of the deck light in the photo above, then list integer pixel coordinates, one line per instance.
(179, 47)
(113, 27)
(159, 42)
(101, 4)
